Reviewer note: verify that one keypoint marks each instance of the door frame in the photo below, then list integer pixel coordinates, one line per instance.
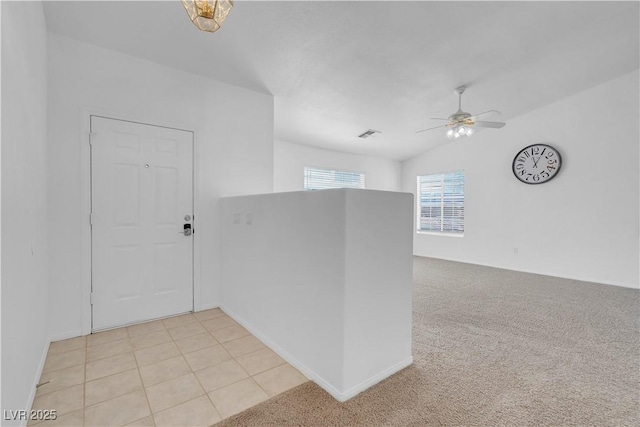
(85, 208)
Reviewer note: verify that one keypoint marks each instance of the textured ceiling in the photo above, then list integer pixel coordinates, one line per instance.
(338, 68)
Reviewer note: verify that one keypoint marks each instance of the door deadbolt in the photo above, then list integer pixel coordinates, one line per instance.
(187, 217)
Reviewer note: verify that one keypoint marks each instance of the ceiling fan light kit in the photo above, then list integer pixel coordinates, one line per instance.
(462, 123)
(207, 15)
(458, 131)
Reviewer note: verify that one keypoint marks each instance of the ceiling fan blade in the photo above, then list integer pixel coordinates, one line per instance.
(495, 125)
(437, 127)
(438, 118)
(485, 112)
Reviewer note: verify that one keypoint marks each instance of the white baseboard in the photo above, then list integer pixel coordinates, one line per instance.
(36, 380)
(65, 335)
(208, 307)
(43, 359)
(309, 373)
(354, 391)
(541, 273)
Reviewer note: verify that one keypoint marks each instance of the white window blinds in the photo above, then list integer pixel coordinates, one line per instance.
(441, 203)
(320, 179)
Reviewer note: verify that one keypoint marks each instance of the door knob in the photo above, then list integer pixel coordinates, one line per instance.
(187, 230)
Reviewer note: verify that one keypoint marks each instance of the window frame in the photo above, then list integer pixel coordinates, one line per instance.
(363, 177)
(442, 206)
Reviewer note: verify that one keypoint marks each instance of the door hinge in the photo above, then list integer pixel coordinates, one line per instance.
(91, 218)
(91, 298)
(92, 135)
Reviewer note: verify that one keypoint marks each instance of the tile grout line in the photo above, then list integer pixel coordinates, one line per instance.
(106, 376)
(85, 349)
(66, 367)
(198, 379)
(129, 340)
(144, 389)
(241, 367)
(251, 376)
(193, 372)
(84, 385)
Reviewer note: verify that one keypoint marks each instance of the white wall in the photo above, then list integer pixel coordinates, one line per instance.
(378, 287)
(583, 224)
(289, 160)
(234, 154)
(324, 278)
(281, 279)
(24, 209)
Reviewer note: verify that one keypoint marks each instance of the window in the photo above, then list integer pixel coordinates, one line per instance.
(319, 179)
(441, 203)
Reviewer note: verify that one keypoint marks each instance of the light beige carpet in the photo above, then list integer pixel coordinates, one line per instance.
(494, 347)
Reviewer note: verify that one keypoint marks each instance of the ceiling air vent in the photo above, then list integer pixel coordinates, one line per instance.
(368, 133)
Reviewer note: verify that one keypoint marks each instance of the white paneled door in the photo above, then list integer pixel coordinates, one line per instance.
(141, 219)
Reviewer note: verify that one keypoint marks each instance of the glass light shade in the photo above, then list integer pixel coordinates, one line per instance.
(458, 131)
(207, 15)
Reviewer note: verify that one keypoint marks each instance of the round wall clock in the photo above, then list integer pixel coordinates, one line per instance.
(536, 164)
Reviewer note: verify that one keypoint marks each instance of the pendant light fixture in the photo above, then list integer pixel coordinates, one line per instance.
(207, 15)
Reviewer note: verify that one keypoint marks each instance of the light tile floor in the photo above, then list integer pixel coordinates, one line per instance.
(189, 370)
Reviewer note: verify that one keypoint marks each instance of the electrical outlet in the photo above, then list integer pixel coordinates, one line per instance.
(515, 251)
(249, 219)
(236, 218)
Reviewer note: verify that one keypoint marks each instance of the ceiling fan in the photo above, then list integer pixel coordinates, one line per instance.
(462, 123)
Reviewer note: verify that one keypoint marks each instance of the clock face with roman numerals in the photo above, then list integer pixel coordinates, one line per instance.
(536, 164)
